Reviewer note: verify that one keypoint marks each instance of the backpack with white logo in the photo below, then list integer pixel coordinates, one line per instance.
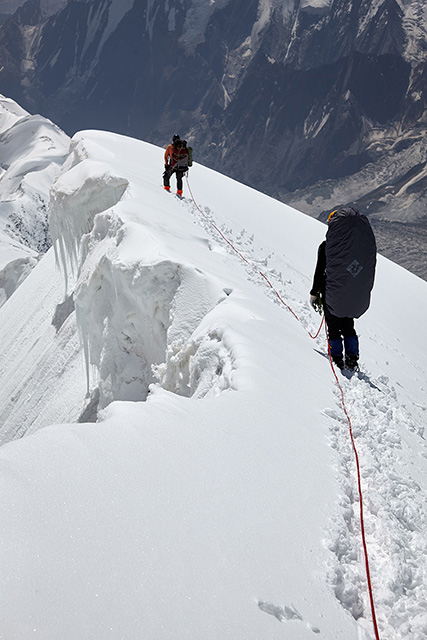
(351, 255)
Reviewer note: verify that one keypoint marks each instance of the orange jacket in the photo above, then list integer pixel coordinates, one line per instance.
(168, 154)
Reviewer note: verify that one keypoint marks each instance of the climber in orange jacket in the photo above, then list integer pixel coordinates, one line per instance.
(169, 151)
(176, 161)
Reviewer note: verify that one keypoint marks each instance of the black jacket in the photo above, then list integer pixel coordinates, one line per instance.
(319, 280)
(346, 260)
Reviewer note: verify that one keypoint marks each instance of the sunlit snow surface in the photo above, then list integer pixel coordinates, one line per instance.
(216, 497)
(31, 150)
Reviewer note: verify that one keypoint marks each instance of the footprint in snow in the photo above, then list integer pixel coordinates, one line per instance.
(284, 613)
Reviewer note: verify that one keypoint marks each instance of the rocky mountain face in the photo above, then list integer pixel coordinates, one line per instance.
(316, 102)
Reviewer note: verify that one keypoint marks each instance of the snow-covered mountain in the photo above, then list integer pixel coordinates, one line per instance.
(316, 102)
(31, 150)
(216, 495)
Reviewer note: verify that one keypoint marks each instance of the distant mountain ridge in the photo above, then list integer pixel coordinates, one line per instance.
(316, 102)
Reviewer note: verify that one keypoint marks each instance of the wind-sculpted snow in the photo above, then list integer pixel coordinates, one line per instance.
(31, 151)
(83, 191)
(139, 320)
(139, 325)
(13, 274)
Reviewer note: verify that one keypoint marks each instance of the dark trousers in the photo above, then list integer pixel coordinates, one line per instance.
(339, 328)
(167, 176)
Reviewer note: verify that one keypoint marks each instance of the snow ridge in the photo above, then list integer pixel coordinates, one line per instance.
(246, 499)
(139, 322)
(32, 150)
(84, 189)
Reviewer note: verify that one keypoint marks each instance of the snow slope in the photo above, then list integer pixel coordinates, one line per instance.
(216, 495)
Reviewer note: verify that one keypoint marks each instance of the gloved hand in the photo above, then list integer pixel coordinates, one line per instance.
(314, 301)
(166, 166)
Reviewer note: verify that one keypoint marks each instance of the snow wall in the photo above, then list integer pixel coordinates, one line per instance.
(140, 320)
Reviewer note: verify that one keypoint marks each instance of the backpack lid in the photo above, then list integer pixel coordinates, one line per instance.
(343, 213)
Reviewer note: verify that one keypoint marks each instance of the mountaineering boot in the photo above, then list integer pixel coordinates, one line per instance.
(351, 362)
(351, 344)
(167, 188)
(179, 193)
(338, 361)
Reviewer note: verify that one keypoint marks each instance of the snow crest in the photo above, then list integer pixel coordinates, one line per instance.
(141, 321)
(13, 274)
(32, 150)
(76, 198)
(315, 6)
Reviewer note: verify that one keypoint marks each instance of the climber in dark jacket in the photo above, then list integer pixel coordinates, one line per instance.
(343, 281)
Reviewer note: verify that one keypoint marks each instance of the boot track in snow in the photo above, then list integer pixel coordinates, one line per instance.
(394, 502)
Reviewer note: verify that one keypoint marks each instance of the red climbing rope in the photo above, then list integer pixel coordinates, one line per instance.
(248, 263)
(359, 484)
(356, 455)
